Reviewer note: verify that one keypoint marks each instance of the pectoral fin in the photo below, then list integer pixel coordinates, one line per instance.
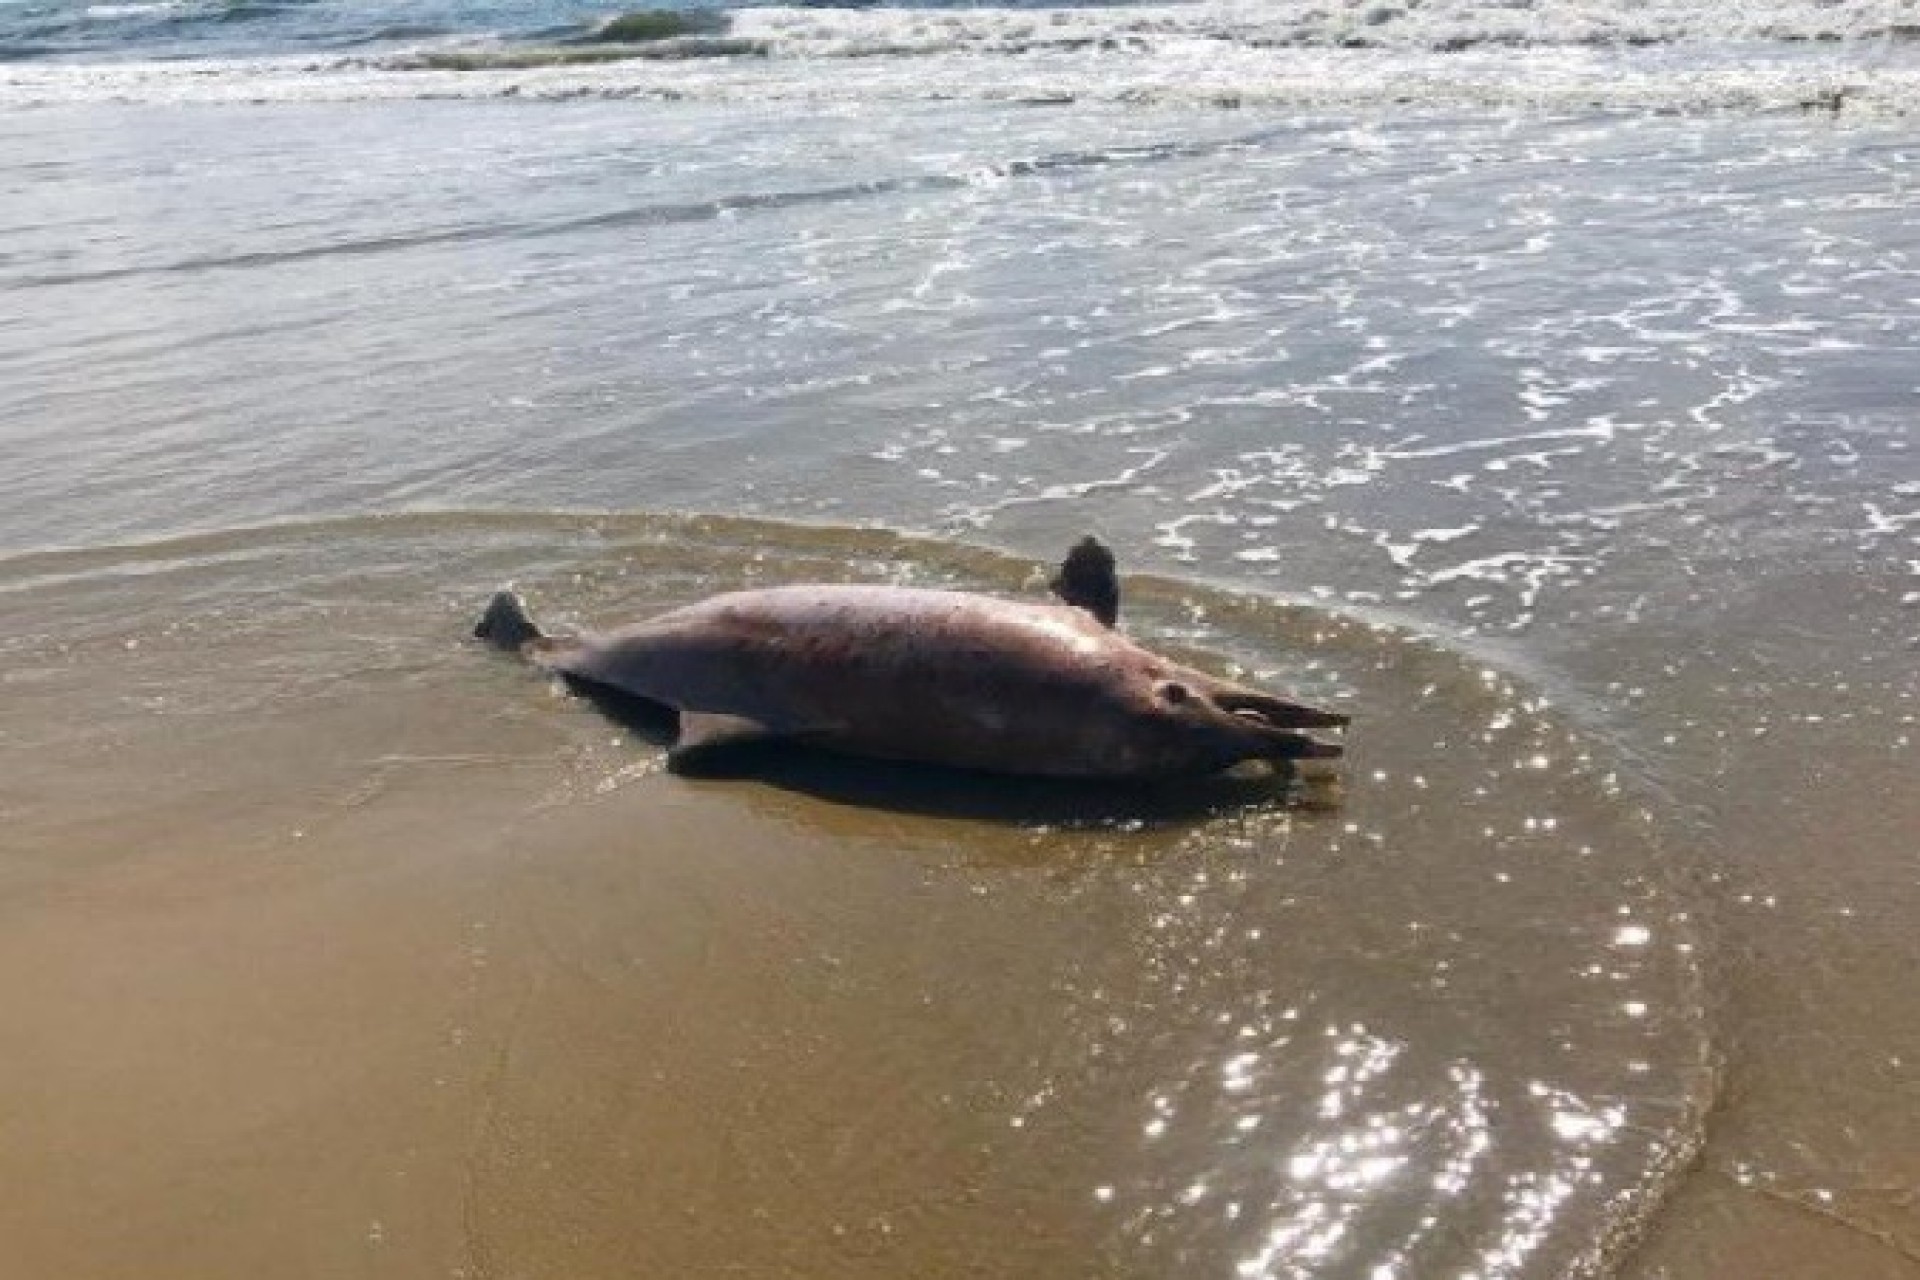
(713, 730)
(708, 739)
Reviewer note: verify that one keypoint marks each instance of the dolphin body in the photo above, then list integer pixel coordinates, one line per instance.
(938, 677)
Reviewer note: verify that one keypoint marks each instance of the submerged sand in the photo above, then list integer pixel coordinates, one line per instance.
(343, 945)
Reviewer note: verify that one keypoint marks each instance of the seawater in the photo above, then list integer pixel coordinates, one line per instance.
(1538, 380)
(1670, 54)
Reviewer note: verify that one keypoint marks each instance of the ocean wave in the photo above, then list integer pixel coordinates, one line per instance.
(130, 29)
(1576, 81)
(651, 215)
(644, 215)
(1436, 25)
(1660, 55)
(642, 25)
(114, 12)
(519, 58)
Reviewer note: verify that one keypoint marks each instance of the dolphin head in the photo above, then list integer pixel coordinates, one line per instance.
(1202, 724)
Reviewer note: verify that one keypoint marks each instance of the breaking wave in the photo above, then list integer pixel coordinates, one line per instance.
(1551, 54)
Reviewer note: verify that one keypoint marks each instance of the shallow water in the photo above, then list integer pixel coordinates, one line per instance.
(841, 1017)
(1569, 448)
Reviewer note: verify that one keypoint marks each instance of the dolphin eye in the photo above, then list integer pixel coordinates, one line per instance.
(1175, 693)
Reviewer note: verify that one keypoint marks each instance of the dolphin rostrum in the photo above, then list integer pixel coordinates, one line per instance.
(939, 677)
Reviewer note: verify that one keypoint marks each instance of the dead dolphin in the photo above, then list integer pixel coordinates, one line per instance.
(938, 677)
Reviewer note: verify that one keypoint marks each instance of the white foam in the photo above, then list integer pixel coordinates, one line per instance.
(105, 12)
(1551, 54)
(1446, 25)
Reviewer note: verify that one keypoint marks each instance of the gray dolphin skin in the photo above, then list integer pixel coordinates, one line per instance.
(937, 677)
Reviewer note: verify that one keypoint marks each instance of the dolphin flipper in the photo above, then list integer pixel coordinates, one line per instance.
(705, 735)
(710, 730)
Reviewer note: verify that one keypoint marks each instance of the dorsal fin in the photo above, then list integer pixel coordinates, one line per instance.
(1087, 580)
(505, 625)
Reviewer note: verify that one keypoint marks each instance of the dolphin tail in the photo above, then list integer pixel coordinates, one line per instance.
(506, 626)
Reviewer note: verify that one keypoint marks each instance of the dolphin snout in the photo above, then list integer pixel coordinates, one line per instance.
(1277, 713)
(1267, 727)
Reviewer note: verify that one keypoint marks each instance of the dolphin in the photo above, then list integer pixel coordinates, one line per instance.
(931, 676)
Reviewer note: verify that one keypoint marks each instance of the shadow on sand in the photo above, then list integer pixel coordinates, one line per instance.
(941, 792)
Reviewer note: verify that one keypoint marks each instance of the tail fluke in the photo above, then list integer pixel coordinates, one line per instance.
(505, 625)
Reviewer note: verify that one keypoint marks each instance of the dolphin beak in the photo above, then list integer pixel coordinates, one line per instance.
(1276, 722)
(1277, 713)
(1298, 746)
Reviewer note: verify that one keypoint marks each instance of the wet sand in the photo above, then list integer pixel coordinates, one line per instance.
(1806, 822)
(380, 946)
